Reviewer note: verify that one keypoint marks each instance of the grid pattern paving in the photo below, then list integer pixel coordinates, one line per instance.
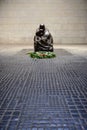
(43, 94)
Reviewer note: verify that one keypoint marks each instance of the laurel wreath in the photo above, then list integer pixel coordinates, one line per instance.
(41, 55)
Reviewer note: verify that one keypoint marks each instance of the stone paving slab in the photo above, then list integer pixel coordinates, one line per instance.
(43, 94)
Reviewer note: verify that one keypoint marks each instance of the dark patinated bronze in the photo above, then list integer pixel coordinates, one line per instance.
(43, 40)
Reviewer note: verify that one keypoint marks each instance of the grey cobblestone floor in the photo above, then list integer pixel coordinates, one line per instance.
(43, 94)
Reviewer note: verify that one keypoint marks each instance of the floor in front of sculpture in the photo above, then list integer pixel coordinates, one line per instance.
(43, 94)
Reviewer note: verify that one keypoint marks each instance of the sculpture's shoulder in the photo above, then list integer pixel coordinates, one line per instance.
(37, 32)
(47, 32)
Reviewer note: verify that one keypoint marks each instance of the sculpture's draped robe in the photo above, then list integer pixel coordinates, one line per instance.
(43, 41)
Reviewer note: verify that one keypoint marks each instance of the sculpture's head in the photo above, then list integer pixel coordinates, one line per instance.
(42, 27)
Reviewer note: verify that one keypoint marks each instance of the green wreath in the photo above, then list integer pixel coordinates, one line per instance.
(42, 54)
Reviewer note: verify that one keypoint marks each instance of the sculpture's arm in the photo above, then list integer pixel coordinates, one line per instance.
(37, 38)
(50, 39)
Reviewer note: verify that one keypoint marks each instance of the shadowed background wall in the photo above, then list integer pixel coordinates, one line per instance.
(66, 20)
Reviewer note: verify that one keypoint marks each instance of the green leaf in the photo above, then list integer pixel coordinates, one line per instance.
(42, 54)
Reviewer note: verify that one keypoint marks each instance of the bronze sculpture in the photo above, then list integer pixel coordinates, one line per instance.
(43, 40)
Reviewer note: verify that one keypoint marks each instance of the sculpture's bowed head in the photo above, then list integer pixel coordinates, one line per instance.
(42, 27)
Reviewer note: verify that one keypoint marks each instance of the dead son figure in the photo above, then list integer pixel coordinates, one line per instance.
(43, 40)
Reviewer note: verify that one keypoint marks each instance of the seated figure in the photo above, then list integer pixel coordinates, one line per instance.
(43, 40)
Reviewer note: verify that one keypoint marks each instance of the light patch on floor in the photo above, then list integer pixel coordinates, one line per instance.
(10, 50)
